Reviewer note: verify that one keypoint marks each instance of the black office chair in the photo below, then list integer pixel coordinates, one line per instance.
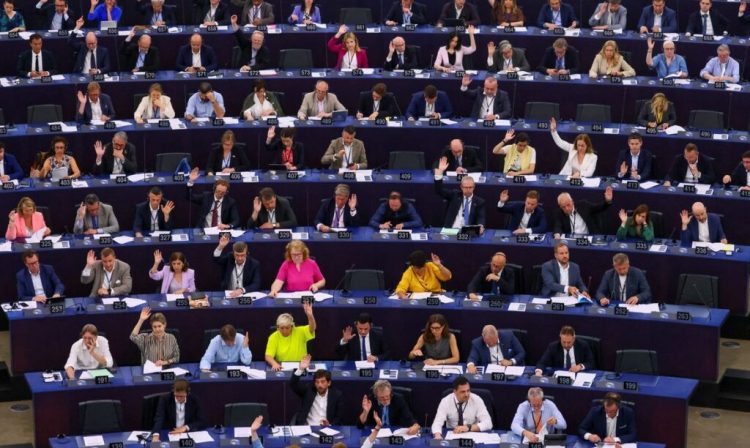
(241, 414)
(698, 289)
(239, 145)
(406, 160)
(355, 16)
(211, 333)
(168, 162)
(542, 111)
(595, 344)
(364, 279)
(523, 338)
(595, 113)
(148, 409)
(657, 220)
(638, 106)
(600, 401)
(468, 62)
(279, 97)
(418, 51)
(137, 97)
(44, 210)
(637, 361)
(100, 416)
(295, 58)
(706, 119)
(406, 393)
(44, 113)
(236, 60)
(366, 93)
(2, 117)
(519, 281)
(535, 282)
(487, 398)
(628, 56)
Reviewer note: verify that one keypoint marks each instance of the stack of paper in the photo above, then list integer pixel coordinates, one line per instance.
(478, 437)
(136, 177)
(584, 379)
(149, 367)
(64, 127)
(91, 374)
(176, 123)
(254, 374)
(364, 365)
(715, 247)
(328, 431)
(93, 441)
(197, 436)
(642, 308)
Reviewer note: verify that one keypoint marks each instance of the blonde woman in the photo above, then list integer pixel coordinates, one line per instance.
(154, 105)
(609, 62)
(659, 112)
(507, 12)
(25, 221)
(581, 158)
(350, 55)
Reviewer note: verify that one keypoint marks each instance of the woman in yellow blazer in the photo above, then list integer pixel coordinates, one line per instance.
(422, 275)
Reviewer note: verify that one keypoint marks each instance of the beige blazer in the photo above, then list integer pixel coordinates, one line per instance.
(601, 68)
(359, 156)
(309, 107)
(146, 112)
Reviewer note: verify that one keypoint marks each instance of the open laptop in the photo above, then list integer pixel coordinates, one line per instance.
(104, 25)
(339, 115)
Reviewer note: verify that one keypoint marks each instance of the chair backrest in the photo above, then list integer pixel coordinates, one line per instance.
(211, 333)
(418, 51)
(168, 162)
(638, 106)
(239, 145)
(100, 416)
(468, 61)
(236, 61)
(44, 210)
(522, 336)
(148, 409)
(137, 97)
(364, 279)
(628, 56)
(657, 220)
(599, 113)
(600, 401)
(698, 289)
(407, 393)
(542, 111)
(2, 117)
(279, 97)
(43, 113)
(519, 282)
(706, 119)
(406, 160)
(295, 58)
(355, 16)
(595, 344)
(535, 282)
(242, 414)
(462, 354)
(637, 361)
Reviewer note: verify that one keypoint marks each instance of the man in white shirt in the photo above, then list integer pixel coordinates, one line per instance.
(179, 411)
(321, 405)
(89, 352)
(461, 411)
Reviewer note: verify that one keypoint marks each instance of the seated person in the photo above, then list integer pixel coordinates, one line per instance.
(345, 152)
(495, 347)
(261, 106)
(702, 226)
(520, 157)
(657, 113)
(270, 97)
(319, 103)
(155, 105)
(226, 157)
(505, 57)
(288, 152)
(176, 276)
(556, 14)
(404, 12)
(623, 283)
(10, 169)
(305, 13)
(95, 217)
(36, 62)
(367, 344)
(106, 11)
(634, 163)
(255, 55)
(638, 226)
(430, 103)
(140, 56)
(525, 217)
(436, 345)
(609, 62)
(536, 417)
(554, 283)
(37, 281)
(255, 12)
(227, 347)
(156, 346)
(298, 272)
(322, 405)
(378, 104)
(338, 212)
(691, 166)
(240, 272)
(271, 212)
(205, 103)
(490, 103)
(450, 57)
(460, 159)
(461, 411)
(289, 342)
(464, 207)
(507, 13)
(581, 157)
(108, 276)
(609, 15)
(459, 10)
(117, 157)
(668, 62)
(59, 164)
(596, 426)
(422, 275)
(90, 57)
(580, 218)
(400, 56)
(154, 214)
(568, 353)
(56, 15)
(722, 68)
(25, 221)
(390, 408)
(156, 14)
(350, 54)
(88, 353)
(657, 18)
(95, 106)
(740, 177)
(178, 411)
(560, 58)
(10, 19)
(213, 12)
(395, 214)
(196, 57)
(492, 279)
(217, 208)
(706, 21)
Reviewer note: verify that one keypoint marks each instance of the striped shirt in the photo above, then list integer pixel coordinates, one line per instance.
(153, 349)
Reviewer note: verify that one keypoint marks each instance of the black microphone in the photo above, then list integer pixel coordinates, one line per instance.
(588, 284)
(379, 167)
(618, 373)
(425, 428)
(338, 285)
(671, 235)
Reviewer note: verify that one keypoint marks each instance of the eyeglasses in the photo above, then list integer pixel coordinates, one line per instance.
(436, 328)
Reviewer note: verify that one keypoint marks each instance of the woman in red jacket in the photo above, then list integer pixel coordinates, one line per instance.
(351, 56)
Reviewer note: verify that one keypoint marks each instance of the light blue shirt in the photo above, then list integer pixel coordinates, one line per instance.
(524, 418)
(714, 68)
(219, 351)
(200, 109)
(662, 70)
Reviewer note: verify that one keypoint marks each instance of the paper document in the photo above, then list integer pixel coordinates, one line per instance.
(93, 441)
(403, 432)
(514, 370)
(176, 123)
(64, 127)
(197, 436)
(6, 246)
(254, 374)
(715, 247)
(517, 306)
(267, 72)
(91, 374)
(231, 120)
(447, 121)
(658, 248)
(137, 177)
(529, 177)
(477, 437)
(539, 301)
(289, 365)
(384, 432)
(328, 431)
(364, 365)
(565, 373)
(242, 431)
(388, 374)
(178, 371)
(133, 437)
(446, 369)
(642, 308)
(674, 129)
(149, 367)
(494, 368)
(584, 379)
(291, 431)
(649, 184)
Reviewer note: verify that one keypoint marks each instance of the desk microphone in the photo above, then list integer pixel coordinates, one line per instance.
(588, 284)
(703, 300)
(618, 374)
(425, 427)
(671, 235)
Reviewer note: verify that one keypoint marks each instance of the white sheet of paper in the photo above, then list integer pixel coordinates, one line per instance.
(529, 177)
(649, 184)
(178, 371)
(517, 306)
(384, 432)
(287, 366)
(539, 301)
(321, 296)
(242, 431)
(403, 433)
(642, 308)
(584, 379)
(136, 177)
(267, 72)
(364, 365)
(133, 437)
(150, 367)
(6, 246)
(447, 121)
(328, 431)
(391, 374)
(515, 370)
(100, 235)
(93, 440)
(565, 373)
(494, 368)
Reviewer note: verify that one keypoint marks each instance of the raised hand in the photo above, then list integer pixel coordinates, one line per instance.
(504, 196)
(90, 258)
(271, 133)
(305, 362)
(352, 201)
(347, 334)
(466, 80)
(257, 204)
(623, 215)
(167, 208)
(650, 43)
(223, 241)
(145, 314)
(443, 164)
(552, 125)
(194, 175)
(233, 20)
(158, 257)
(435, 259)
(509, 134)
(246, 341)
(256, 424)
(307, 307)
(81, 97)
(623, 168)
(366, 404)
(684, 218)
(490, 48)
(98, 148)
(342, 30)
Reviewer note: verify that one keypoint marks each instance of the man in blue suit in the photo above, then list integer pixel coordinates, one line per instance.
(38, 281)
(464, 207)
(556, 14)
(702, 226)
(561, 277)
(526, 216)
(196, 57)
(623, 283)
(657, 17)
(634, 163)
(337, 212)
(95, 105)
(596, 426)
(90, 58)
(495, 347)
(155, 13)
(430, 103)
(9, 167)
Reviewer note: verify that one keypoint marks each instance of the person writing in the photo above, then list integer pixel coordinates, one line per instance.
(437, 345)
(298, 272)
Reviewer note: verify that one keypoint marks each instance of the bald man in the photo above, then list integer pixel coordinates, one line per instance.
(400, 56)
(319, 103)
(140, 56)
(582, 217)
(460, 159)
(90, 58)
(196, 57)
(702, 226)
(492, 278)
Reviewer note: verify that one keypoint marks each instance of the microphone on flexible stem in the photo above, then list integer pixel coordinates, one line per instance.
(618, 374)
(344, 292)
(703, 300)
(588, 284)
(425, 427)
(671, 235)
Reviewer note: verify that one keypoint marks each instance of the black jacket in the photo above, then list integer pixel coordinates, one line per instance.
(644, 164)
(262, 57)
(199, 13)
(455, 202)
(646, 116)
(478, 284)
(418, 11)
(399, 414)
(388, 106)
(142, 219)
(307, 392)
(48, 13)
(587, 211)
(250, 272)
(166, 413)
(129, 166)
(284, 215)
(237, 160)
(719, 23)
(554, 356)
(739, 176)
(328, 208)
(549, 60)
(129, 50)
(229, 213)
(352, 350)
(411, 60)
(469, 160)
(26, 63)
(80, 50)
(680, 166)
(298, 151)
(500, 107)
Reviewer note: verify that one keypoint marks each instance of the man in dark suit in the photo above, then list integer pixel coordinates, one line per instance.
(10, 169)
(702, 226)
(271, 212)
(240, 272)
(526, 216)
(255, 12)
(255, 55)
(377, 104)
(153, 214)
(430, 103)
(392, 409)
(706, 21)
(338, 212)
(623, 283)
(495, 347)
(90, 58)
(209, 12)
(36, 62)
(37, 281)
(739, 177)
(178, 411)
(56, 15)
(366, 344)
(490, 103)
(556, 14)
(117, 157)
(559, 59)
(460, 10)
(667, 18)
(634, 163)
(196, 57)
(464, 207)
(140, 56)
(492, 278)
(400, 57)
(95, 105)
(156, 14)
(596, 427)
(691, 166)
(568, 353)
(395, 213)
(562, 277)
(321, 404)
(461, 160)
(506, 58)
(405, 12)
(582, 217)
(217, 209)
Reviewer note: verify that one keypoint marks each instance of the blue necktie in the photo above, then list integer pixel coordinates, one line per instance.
(559, 64)
(494, 288)
(705, 25)
(94, 222)
(363, 353)
(139, 62)
(467, 210)
(568, 361)
(385, 419)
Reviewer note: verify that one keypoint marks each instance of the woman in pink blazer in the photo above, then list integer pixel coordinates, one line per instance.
(450, 58)
(351, 56)
(176, 277)
(25, 221)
